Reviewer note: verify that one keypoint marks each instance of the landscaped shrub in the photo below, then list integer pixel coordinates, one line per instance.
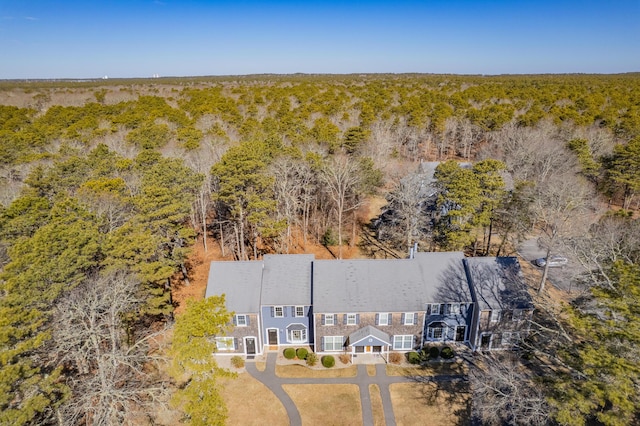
(434, 352)
(312, 359)
(237, 361)
(344, 358)
(301, 353)
(289, 353)
(395, 358)
(328, 361)
(413, 357)
(446, 352)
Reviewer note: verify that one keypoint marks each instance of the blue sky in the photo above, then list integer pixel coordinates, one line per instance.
(139, 38)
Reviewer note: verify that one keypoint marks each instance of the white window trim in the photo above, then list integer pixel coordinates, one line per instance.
(496, 314)
(408, 315)
(302, 339)
(296, 309)
(403, 342)
(431, 332)
(353, 317)
(336, 343)
(434, 305)
(226, 341)
(384, 315)
(328, 321)
(456, 310)
(275, 311)
(244, 319)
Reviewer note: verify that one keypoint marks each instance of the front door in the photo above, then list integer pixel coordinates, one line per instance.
(460, 332)
(485, 341)
(273, 336)
(251, 346)
(367, 349)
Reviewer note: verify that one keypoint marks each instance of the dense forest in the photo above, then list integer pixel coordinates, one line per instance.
(106, 185)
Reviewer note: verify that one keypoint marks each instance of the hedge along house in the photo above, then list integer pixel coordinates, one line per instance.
(375, 306)
(504, 307)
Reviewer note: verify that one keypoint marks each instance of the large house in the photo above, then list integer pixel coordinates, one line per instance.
(371, 306)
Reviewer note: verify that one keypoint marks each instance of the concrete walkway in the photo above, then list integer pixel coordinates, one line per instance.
(362, 379)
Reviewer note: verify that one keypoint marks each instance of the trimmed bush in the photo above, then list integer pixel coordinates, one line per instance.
(446, 352)
(289, 353)
(301, 353)
(413, 357)
(312, 359)
(328, 361)
(395, 358)
(237, 361)
(434, 352)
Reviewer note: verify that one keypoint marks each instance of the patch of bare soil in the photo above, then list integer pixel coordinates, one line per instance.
(198, 262)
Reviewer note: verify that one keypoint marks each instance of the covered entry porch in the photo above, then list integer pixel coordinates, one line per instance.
(368, 343)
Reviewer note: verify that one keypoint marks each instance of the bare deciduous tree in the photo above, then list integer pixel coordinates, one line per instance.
(563, 207)
(111, 374)
(342, 178)
(504, 392)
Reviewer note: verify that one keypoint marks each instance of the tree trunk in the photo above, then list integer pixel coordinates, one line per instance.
(545, 273)
(486, 253)
(221, 239)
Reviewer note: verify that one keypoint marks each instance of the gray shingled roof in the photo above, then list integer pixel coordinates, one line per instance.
(498, 283)
(389, 285)
(239, 281)
(287, 279)
(367, 331)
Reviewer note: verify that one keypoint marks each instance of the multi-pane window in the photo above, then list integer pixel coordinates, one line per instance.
(241, 320)
(333, 343)
(383, 319)
(297, 336)
(352, 319)
(225, 343)
(278, 311)
(299, 311)
(454, 308)
(433, 309)
(329, 319)
(403, 342)
(435, 332)
(410, 318)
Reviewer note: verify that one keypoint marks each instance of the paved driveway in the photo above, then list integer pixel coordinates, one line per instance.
(562, 278)
(362, 379)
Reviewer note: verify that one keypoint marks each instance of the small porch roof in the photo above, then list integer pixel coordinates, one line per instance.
(296, 326)
(369, 336)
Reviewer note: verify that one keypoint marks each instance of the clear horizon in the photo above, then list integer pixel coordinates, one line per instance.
(143, 38)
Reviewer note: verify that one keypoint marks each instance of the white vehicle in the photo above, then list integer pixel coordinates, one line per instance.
(555, 261)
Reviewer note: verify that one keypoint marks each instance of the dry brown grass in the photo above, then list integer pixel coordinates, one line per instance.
(376, 405)
(296, 370)
(371, 370)
(336, 405)
(413, 401)
(250, 402)
(445, 368)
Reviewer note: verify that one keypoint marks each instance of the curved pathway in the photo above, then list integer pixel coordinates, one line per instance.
(362, 379)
